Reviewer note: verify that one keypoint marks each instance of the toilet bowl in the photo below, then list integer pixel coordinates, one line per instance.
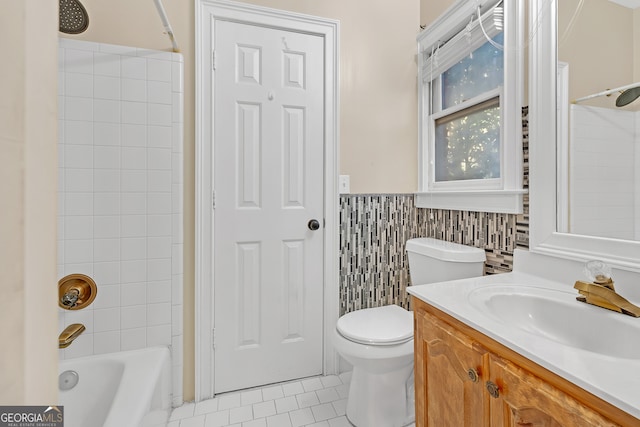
(378, 342)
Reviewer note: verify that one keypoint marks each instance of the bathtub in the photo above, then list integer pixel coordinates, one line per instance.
(125, 389)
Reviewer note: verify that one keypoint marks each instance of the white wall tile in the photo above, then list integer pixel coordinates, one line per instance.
(159, 314)
(78, 180)
(133, 294)
(134, 112)
(78, 251)
(133, 226)
(159, 180)
(176, 74)
(107, 273)
(133, 316)
(105, 64)
(105, 250)
(159, 335)
(106, 157)
(158, 225)
(80, 61)
(176, 320)
(133, 339)
(134, 68)
(106, 203)
(108, 297)
(158, 292)
(106, 110)
(78, 84)
(106, 180)
(80, 268)
(176, 288)
(84, 317)
(159, 158)
(133, 271)
(177, 108)
(159, 269)
(176, 168)
(134, 180)
(78, 204)
(106, 342)
(176, 258)
(160, 136)
(134, 90)
(78, 227)
(78, 156)
(134, 158)
(82, 346)
(106, 319)
(133, 203)
(159, 247)
(133, 248)
(78, 109)
(158, 114)
(106, 226)
(115, 199)
(134, 135)
(159, 203)
(159, 92)
(106, 133)
(159, 70)
(106, 87)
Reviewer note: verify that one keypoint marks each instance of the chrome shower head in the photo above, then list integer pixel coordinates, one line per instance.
(628, 96)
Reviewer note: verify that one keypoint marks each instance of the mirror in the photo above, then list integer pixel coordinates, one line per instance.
(599, 141)
(548, 160)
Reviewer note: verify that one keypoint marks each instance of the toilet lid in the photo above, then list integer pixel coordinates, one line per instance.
(377, 326)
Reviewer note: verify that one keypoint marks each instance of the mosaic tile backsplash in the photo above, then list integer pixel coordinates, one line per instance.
(374, 228)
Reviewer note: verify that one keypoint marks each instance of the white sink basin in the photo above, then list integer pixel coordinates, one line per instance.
(557, 316)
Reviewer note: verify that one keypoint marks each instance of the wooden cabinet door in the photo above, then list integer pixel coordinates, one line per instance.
(447, 394)
(524, 400)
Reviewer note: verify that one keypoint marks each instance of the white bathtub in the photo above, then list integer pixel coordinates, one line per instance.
(125, 389)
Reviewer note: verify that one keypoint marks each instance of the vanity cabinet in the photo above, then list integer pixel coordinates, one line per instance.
(464, 378)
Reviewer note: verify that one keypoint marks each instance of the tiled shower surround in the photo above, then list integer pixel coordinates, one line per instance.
(120, 196)
(374, 228)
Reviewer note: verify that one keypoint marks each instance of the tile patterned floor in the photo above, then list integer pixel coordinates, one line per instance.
(317, 402)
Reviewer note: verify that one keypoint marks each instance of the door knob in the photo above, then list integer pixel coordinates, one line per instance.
(313, 225)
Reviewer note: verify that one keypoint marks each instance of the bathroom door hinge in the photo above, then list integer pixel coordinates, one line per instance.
(213, 200)
(213, 338)
(213, 60)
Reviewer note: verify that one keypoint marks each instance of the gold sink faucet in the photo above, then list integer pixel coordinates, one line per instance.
(69, 334)
(601, 291)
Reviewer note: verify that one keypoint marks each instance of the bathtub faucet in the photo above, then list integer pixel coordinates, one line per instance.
(69, 334)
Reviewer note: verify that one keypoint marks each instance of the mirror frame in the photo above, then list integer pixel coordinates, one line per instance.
(543, 182)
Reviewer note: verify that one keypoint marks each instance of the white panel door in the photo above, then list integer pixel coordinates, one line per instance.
(268, 182)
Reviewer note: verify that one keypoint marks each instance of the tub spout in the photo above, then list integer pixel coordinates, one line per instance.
(69, 334)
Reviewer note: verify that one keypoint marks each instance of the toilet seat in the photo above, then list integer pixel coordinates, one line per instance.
(388, 325)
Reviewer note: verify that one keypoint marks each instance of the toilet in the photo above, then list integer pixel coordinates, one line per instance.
(378, 342)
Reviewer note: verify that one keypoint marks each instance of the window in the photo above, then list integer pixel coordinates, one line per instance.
(470, 92)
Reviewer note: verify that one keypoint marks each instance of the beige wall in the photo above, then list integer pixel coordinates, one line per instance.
(432, 9)
(28, 185)
(378, 129)
(599, 48)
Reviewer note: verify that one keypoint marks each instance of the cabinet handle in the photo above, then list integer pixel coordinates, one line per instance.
(493, 389)
(473, 375)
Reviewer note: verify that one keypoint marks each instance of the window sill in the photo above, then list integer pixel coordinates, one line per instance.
(499, 201)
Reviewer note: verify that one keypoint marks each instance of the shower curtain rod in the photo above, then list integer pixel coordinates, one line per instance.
(606, 92)
(167, 25)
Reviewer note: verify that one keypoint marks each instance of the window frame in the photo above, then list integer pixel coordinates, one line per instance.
(504, 194)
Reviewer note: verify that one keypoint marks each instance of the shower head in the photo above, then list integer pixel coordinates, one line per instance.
(628, 96)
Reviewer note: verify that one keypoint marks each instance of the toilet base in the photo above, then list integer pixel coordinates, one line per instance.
(381, 399)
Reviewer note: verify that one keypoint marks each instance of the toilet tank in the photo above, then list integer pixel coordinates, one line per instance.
(432, 260)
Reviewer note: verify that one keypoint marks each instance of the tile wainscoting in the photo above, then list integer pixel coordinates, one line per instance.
(374, 228)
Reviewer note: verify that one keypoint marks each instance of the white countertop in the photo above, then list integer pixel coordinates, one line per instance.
(613, 379)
